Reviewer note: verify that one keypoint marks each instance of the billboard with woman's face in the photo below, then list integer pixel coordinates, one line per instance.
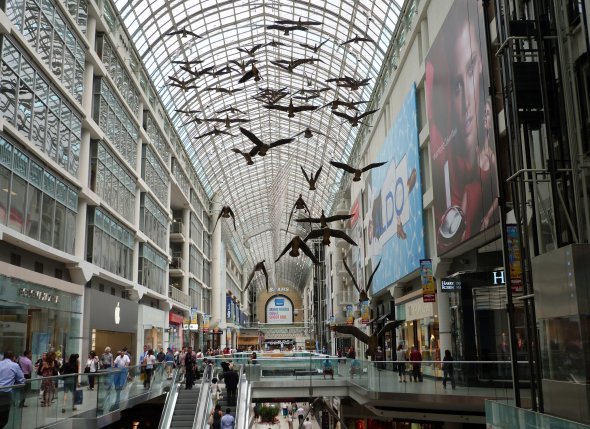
(462, 149)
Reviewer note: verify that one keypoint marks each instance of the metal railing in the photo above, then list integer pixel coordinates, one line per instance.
(243, 401)
(170, 402)
(179, 296)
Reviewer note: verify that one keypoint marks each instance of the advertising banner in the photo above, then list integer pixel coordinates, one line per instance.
(393, 217)
(515, 268)
(205, 323)
(427, 278)
(228, 308)
(279, 309)
(365, 312)
(349, 311)
(462, 148)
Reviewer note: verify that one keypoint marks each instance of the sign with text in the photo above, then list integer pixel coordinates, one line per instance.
(228, 306)
(427, 278)
(515, 268)
(450, 285)
(279, 310)
(349, 311)
(206, 323)
(365, 312)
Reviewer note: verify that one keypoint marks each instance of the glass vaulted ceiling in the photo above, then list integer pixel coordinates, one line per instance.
(262, 195)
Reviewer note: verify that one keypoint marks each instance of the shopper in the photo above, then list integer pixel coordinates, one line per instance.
(227, 421)
(47, 369)
(148, 364)
(401, 362)
(106, 359)
(27, 367)
(189, 368)
(91, 368)
(448, 370)
(10, 374)
(307, 424)
(215, 417)
(231, 380)
(169, 362)
(70, 370)
(416, 359)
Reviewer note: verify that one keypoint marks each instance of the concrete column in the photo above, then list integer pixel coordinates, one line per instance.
(83, 174)
(440, 269)
(217, 294)
(425, 38)
(186, 228)
(91, 32)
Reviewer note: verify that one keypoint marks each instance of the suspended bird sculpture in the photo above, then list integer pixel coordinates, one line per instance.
(362, 292)
(183, 84)
(221, 90)
(183, 32)
(230, 109)
(295, 245)
(187, 63)
(198, 73)
(196, 120)
(314, 48)
(252, 73)
(326, 233)
(263, 147)
(298, 22)
(247, 155)
(349, 82)
(350, 105)
(356, 171)
(290, 108)
(313, 179)
(223, 71)
(286, 29)
(354, 120)
(216, 132)
(299, 205)
(242, 65)
(258, 267)
(187, 112)
(225, 212)
(323, 220)
(275, 43)
(290, 65)
(357, 39)
(227, 121)
(309, 133)
(252, 51)
(372, 341)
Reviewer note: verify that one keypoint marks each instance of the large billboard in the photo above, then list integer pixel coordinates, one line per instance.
(393, 219)
(279, 309)
(462, 149)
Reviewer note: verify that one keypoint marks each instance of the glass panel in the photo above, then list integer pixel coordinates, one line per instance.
(59, 232)
(47, 219)
(18, 194)
(4, 188)
(32, 226)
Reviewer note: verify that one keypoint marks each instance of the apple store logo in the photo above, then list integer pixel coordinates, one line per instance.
(117, 314)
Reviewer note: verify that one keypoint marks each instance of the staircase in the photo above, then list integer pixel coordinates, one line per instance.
(186, 406)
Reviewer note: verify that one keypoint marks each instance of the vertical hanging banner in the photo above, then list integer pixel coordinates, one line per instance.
(205, 323)
(514, 260)
(365, 312)
(349, 315)
(228, 306)
(427, 277)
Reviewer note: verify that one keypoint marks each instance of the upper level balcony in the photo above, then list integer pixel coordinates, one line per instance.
(177, 231)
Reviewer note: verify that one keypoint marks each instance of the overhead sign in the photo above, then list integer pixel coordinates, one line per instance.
(427, 277)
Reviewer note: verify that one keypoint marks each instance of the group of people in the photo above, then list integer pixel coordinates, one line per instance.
(290, 411)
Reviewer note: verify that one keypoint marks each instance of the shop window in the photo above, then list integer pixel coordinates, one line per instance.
(58, 274)
(39, 267)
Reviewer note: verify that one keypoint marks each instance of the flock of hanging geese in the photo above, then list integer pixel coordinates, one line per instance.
(271, 99)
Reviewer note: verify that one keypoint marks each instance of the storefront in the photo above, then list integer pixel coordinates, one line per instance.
(112, 322)
(153, 323)
(246, 342)
(39, 318)
(175, 330)
(420, 327)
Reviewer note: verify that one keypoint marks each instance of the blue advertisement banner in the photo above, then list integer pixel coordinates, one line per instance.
(393, 193)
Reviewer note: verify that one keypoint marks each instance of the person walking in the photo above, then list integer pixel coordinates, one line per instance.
(400, 355)
(300, 413)
(106, 359)
(70, 370)
(26, 365)
(448, 370)
(91, 368)
(148, 362)
(189, 368)
(290, 421)
(379, 357)
(231, 379)
(307, 424)
(416, 359)
(10, 374)
(169, 362)
(227, 421)
(47, 369)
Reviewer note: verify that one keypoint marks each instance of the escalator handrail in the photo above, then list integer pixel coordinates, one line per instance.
(170, 403)
(202, 409)
(243, 406)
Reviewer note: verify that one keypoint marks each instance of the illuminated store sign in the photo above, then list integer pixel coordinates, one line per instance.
(36, 294)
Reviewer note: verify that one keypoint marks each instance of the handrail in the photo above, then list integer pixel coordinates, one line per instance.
(243, 407)
(241, 374)
(203, 404)
(170, 403)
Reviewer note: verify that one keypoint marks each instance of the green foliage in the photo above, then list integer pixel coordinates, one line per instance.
(269, 414)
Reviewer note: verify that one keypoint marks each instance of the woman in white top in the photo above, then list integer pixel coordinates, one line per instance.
(91, 368)
(401, 362)
(149, 361)
(215, 390)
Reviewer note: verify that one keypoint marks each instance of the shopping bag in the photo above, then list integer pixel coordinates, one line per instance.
(78, 397)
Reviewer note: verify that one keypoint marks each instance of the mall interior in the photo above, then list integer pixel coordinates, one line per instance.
(363, 180)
